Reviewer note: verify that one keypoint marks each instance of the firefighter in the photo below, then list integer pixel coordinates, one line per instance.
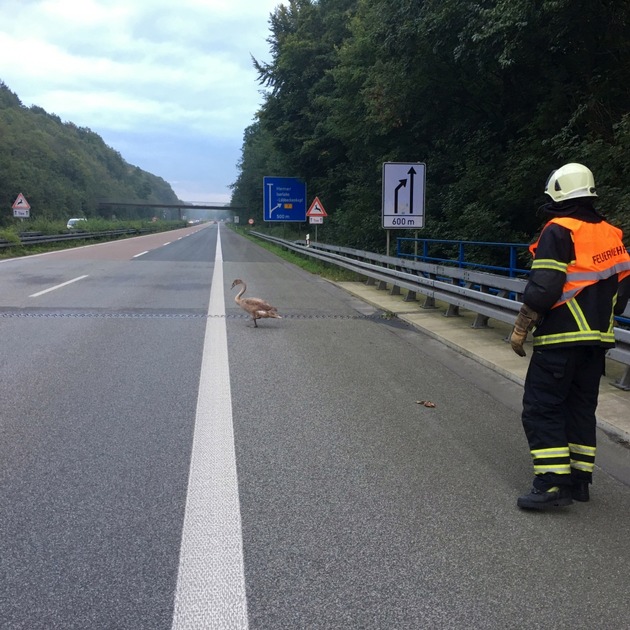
(580, 277)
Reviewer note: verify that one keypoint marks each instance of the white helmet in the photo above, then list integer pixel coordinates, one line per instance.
(569, 182)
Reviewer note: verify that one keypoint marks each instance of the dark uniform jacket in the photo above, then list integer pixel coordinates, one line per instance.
(592, 310)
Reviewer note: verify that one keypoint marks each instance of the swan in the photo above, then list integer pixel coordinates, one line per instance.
(256, 307)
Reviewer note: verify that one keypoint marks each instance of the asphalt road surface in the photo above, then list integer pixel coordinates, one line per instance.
(164, 464)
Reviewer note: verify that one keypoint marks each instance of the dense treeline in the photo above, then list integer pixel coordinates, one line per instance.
(64, 170)
(491, 95)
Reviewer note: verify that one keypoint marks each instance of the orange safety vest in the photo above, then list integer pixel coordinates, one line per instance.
(599, 254)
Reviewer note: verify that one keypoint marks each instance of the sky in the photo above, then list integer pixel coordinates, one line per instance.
(168, 84)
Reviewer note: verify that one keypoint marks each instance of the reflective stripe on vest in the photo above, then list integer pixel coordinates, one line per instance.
(548, 263)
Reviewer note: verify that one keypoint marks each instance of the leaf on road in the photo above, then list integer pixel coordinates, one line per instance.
(426, 403)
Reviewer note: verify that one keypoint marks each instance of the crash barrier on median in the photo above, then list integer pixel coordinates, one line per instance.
(38, 239)
(487, 295)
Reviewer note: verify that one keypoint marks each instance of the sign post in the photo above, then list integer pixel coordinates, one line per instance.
(316, 214)
(403, 196)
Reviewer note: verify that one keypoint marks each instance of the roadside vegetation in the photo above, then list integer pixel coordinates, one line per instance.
(491, 96)
(316, 267)
(66, 171)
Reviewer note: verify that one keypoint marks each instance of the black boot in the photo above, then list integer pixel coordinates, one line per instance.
(579, 490)
(557, 496)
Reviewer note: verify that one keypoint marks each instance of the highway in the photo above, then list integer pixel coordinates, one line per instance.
(164, 464)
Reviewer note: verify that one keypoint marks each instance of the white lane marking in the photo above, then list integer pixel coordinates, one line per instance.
(210, 591)
(167, 243)
(57, 286)
(73, 249)
(141, 254)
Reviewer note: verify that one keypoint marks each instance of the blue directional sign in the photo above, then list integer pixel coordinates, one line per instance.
(284, 199)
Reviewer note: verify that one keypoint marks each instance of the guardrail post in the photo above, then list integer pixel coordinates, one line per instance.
(395, 290)
(624, 381)
(452, 311)
(481, 321)
(410, 297)
(429, 300)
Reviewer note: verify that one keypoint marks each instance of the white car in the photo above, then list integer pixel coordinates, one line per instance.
(73, 223)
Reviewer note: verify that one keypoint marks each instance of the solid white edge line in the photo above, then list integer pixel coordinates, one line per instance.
(57, 286)
(210, 592)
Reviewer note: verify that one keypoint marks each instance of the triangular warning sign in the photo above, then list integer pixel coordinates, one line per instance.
(21, 203)
(316, 209)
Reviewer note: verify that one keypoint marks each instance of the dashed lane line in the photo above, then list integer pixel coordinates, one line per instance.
(57, 286)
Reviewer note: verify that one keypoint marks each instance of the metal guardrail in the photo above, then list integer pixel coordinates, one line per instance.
(467, 254)
(35, 238)
(488, 295)
(434, 251)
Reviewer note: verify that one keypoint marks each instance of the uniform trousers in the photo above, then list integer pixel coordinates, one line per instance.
(559, 403)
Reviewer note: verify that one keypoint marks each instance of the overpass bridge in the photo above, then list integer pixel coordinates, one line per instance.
(184, 209)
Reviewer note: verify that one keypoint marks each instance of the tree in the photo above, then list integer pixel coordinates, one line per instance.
(492, 95)
(64, 169)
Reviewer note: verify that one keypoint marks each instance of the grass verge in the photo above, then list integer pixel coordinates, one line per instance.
(312, 265)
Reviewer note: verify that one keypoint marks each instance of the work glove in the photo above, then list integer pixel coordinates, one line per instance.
(525, 321)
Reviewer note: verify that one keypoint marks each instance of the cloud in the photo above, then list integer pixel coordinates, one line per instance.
(142, 72)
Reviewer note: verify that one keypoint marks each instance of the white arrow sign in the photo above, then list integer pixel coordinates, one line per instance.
(403, 194)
